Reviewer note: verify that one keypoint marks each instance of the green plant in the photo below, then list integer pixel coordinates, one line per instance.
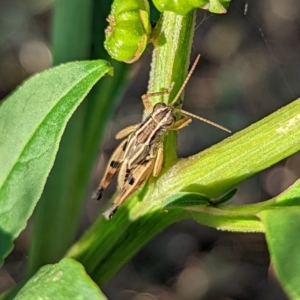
(28, 155)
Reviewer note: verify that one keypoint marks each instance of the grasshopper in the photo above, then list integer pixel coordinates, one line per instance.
(141, 153)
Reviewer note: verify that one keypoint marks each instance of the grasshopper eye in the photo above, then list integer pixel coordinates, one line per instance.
(129, 30)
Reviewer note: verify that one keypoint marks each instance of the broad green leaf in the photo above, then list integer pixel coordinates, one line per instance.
(238, 157)
(182, 7)
(68, 181)
(282, 233)
(32, 121)
(64, 280)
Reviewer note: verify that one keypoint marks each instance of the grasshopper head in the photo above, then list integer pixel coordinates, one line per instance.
(163, 115)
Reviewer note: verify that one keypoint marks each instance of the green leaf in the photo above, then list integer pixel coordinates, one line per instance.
(245, 218)
(287, 199)
(185, 199)
(236, 158)
(67, 184)
(188, 199)
(32, 121)
(65, 280)
(129, 30)
(282, 234)
(228, 196)
(182, 7)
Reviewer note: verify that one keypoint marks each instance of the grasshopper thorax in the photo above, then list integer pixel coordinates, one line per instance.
(163, 115)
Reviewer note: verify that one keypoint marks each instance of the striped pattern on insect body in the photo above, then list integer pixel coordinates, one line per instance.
(141, 153)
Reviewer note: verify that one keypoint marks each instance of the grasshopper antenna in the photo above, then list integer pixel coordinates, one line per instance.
(186, 113)
(186, 80)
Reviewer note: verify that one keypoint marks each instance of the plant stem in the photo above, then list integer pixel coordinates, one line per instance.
(170, 62)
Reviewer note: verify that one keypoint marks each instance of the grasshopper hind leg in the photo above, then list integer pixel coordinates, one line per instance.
(110, 212)
(98, 193)
(112, 168)
(134, 179)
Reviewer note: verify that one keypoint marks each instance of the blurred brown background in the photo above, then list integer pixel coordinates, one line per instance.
(250, 67)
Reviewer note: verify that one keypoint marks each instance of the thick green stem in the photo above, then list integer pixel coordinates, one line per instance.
(170, 61)
(108, 245)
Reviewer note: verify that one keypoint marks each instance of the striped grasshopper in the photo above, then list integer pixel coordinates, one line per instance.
(141, 153)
